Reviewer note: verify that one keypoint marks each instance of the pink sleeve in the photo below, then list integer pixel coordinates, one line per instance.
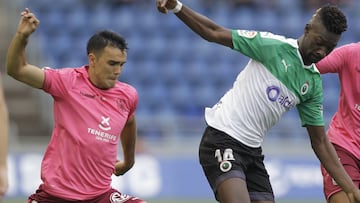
(134, 103)
(57, 81)
(333, 62)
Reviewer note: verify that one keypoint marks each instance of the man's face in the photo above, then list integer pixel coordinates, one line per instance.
(318, 42)
(106, 67)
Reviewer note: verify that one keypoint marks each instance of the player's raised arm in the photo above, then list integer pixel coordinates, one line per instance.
(200, 24)
(16, 64)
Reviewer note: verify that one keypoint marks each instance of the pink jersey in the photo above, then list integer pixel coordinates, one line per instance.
(80, 158)
(344, 129)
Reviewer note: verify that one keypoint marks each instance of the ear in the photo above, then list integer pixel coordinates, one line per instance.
(92, 59)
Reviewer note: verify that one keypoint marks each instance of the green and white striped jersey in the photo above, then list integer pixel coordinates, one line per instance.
(274, 80)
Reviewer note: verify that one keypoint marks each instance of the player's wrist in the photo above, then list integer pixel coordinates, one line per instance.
(178, 7)
(22, 35)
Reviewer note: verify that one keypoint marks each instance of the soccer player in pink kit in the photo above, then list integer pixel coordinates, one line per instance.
(344, 128)
(93, 112)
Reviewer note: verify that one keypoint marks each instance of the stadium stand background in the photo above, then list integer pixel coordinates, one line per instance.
(175, 72)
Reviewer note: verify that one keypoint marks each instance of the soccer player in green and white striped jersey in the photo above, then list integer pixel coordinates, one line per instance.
(280, 75)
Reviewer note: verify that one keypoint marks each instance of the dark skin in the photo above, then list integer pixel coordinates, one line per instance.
(315, 43)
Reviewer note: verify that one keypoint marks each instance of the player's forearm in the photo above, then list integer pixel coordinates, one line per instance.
(128, 145)
(128, 142)
(16, 58)
(199, 23)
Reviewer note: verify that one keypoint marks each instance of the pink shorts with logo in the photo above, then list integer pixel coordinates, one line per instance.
(352, 167)
(112, 196)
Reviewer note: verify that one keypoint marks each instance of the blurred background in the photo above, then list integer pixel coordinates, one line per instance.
(177, 74)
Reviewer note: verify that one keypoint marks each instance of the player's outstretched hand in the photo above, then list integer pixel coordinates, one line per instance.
(354, 196)
(28, 23)
(164, 6)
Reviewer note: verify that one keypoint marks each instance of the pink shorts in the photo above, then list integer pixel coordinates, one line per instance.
(111, 196)
(352, 167)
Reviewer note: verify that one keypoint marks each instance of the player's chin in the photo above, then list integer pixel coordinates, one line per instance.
(315, 59)
(111, 84)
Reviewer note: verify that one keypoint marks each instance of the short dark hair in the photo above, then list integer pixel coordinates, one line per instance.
(104, 38)
(333, 19)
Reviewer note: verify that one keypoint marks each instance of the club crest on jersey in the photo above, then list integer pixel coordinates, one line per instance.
(247, 33)
(120, 104)
(305, 88)
(116, 197)
(105, 123)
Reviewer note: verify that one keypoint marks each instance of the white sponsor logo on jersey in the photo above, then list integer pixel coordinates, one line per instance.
(102, 135)
(247, 33)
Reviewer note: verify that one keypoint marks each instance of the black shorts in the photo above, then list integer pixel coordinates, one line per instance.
(223, 157)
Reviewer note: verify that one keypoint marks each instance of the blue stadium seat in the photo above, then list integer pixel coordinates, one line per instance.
(196, 73)
(221, 15)
(154, 99)
(123, 21)
(79, 19)
(268, 21)
(291, 25)
(100, 18)
(204, 96)
(52, 22)
(243, 18)
(174, 70)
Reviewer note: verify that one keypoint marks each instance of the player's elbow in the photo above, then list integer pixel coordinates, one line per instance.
(13, 71)
(12, 74)
(131, 164)
(318, 144)
(220, 36)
